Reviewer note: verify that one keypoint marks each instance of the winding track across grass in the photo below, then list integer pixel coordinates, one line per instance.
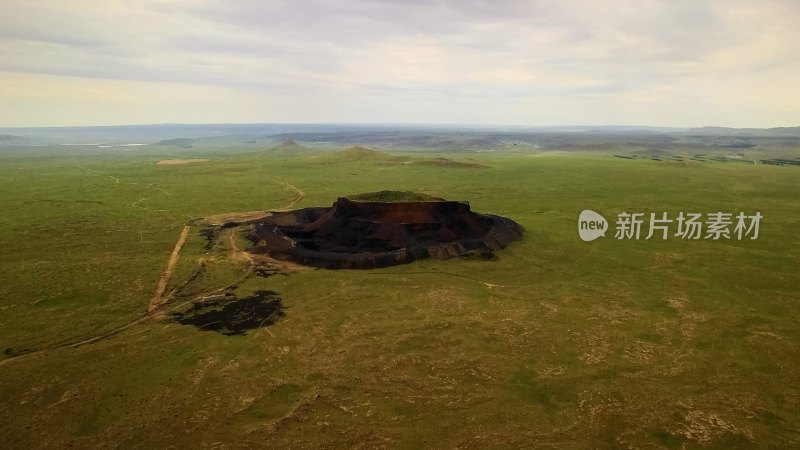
(159, 300)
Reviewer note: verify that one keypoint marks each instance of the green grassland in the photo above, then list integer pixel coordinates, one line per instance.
(556, 343)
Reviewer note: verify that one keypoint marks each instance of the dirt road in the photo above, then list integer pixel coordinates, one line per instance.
(158, 296)
(220, 219)
(299, 195)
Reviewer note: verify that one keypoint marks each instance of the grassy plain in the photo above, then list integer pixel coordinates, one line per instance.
(556, 343)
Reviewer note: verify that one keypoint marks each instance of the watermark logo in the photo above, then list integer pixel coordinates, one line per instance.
(591, 225)
(687, 226)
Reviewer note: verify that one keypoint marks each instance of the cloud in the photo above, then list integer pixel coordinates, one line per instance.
(334, 58)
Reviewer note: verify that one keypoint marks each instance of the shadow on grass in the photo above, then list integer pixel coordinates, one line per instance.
(233, 317)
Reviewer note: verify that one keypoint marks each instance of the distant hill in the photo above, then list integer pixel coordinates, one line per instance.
(754, 132)
(177, 142)
(224, 141)
(290, 148)
(358, 152)
(399, 137)
(445, 162)
(10, 139)
(289, 145)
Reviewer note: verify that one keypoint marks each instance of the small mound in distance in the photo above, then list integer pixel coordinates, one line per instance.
(358, 152)
(445, 162)
(290, 148)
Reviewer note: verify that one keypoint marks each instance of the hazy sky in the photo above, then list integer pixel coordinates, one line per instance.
(569, 62)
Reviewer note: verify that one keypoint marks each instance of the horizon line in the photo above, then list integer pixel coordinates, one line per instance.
(410, 124)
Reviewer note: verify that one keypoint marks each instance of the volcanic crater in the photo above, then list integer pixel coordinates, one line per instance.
(379, 230)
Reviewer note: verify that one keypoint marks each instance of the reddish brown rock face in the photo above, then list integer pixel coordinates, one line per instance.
(365, 235)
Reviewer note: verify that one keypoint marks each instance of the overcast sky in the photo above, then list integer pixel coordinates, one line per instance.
(576, 62)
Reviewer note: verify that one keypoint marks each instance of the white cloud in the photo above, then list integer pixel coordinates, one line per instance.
(653, 62)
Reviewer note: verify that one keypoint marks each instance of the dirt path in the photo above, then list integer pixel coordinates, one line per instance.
(158, 297)
(220, 219)
(156, 307)
(137, 203)
(300, 195)
(236, 253)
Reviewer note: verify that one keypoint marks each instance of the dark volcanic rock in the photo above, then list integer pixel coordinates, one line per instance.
(364, 234)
